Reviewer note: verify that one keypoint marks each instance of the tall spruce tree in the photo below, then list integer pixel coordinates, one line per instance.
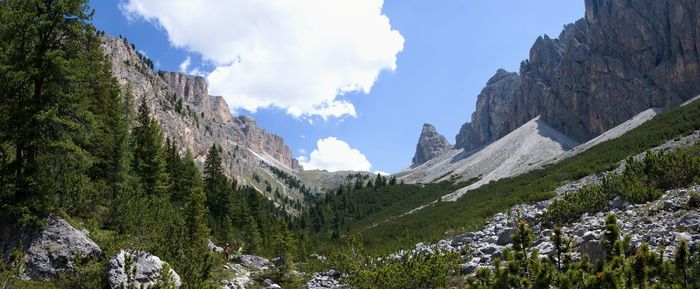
(60, 130)
(148, 153)
(198, 263)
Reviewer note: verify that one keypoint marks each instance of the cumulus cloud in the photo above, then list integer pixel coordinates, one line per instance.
(333, 155)
(298, 55)
(185, 64)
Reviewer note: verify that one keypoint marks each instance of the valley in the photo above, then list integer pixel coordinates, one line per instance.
(581, 170)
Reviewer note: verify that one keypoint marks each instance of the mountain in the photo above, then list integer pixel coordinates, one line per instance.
(430, 144)
(523, 149)
(195, 120)
(622, 58)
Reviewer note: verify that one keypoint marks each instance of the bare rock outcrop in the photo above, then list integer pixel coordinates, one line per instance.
(430, 144)
(48, 251)
(622, 58)
(137, 268)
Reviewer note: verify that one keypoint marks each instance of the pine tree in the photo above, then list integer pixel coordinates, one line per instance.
(611, 238)
(218, 192)
(149, 154)
(680, 260)
(251, 236)
(522, 239)
(57, 137)
(197, 263)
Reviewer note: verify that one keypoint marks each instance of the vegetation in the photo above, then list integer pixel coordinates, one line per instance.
(473, 209)
(522, 266)
(641, 181)
(69, 146)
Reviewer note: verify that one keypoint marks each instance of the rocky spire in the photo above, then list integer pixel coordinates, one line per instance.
(430, 144)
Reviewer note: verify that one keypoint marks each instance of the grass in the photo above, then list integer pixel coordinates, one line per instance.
(475, 207)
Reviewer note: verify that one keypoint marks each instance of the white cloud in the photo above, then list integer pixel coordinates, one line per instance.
(185, 64)
(384, 174)
(298, 55)
(332, 154)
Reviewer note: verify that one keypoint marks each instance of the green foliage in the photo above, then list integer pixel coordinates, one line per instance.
(62, 127)
(412, 270)
(470, 211)
(640, 182)
(620, 269)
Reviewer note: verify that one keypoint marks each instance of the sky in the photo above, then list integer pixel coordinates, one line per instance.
(347, 83)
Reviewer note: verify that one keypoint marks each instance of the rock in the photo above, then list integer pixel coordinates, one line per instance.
(202, 120)
(214, 248)
(325, 280)
(593, 249)
(254, 262)
(469, 268)
(504, 236)
(575, 82)
(50, 250)
(619, 203)
(430, 144)
(148, 269)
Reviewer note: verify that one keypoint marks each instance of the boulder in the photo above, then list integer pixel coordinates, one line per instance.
(593, 249)
(254, 262)
(214, 248)
(50, 250)
(146, 270)
(504, 236)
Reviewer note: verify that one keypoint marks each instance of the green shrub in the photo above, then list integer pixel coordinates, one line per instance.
(694, 200)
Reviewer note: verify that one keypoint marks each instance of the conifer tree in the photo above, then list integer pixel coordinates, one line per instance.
(198, 261)
(57, 94)
(149, 154)
(251, 236)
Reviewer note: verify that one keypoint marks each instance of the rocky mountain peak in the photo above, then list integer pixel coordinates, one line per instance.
(430, 144)
(622, 58)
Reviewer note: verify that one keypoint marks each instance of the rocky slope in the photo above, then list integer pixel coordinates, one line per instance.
(195, 121)
(430, 144)
(622, 58)
(662, 223)
(519, 151)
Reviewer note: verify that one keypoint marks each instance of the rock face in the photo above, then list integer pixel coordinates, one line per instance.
(430, 145)
(622, 58)
(147, 270)
(49, 251)
(195, 120)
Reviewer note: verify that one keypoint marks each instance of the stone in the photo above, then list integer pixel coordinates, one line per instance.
(50, 250)
(148, 270)
(469, 268)
(430, 144)
(593, 249)
(504, 236)
(254, 262)
(214, 248)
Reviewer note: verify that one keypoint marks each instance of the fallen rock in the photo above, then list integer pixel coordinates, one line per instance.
(254, 262)
(49, 251)
(146, 270)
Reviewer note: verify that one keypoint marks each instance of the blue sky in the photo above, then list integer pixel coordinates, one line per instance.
(450, 49)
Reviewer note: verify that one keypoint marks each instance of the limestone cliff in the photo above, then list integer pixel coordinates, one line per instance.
(195, 120)
(622, 58)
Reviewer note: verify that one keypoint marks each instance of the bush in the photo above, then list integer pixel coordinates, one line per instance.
(694, 201)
